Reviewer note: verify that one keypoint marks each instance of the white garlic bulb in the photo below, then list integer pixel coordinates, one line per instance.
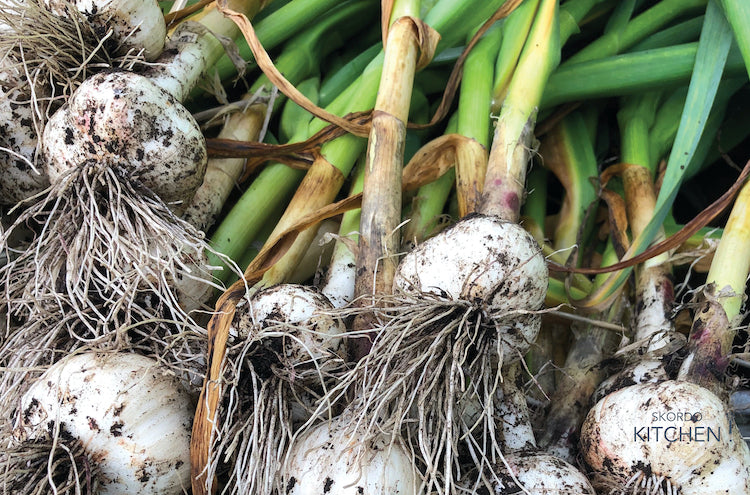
(132, 419)
(137, 25)
(645, 371)
(123, 121)
(540, 474)
(485, 259)
(303, 322)
(673, 435)
(333, 458)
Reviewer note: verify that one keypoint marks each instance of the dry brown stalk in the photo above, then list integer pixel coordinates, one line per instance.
(381, 201)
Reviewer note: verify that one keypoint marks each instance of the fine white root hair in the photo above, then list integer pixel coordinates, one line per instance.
(432, 376)
(106, 249)
(45, 466)
(263, 401)
(109, 267)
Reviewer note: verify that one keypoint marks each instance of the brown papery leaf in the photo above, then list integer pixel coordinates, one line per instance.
(208, 402)
(618, 220)
(616, 208)
(276, 78)
(298, 155)
(427, 39)
(441, 154)
(177, 16)
(675, 240)
(386, 7)
(455, 78)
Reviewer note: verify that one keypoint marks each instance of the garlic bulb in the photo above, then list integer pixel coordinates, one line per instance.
(336, 459)
(484, 259)
(540, 474)
(132, 419)
(673, 435)
(286, 349)
(137, 25)
(123, 121)
(300, 317)
(646, 371)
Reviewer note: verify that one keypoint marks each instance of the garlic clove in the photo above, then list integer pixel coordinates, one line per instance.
(131, 418)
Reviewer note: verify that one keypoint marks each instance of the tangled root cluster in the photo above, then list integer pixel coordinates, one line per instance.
(109, 266)
(276, 373)
(36, 467)
(415, 383)
(61, 51)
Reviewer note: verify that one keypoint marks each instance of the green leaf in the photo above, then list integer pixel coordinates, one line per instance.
(738, 14)
(713, 48)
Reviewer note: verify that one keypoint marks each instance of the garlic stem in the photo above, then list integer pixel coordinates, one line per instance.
(243, 222)
(222, 173)
(381, 200)
(715, 323)
(193, 48)
(513, 138)
(339, 284)
(518, 434)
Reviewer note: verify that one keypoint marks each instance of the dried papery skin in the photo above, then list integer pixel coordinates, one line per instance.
(137, 25)
(123, 121)
(485, 260)
(335, 458)
(619, 443)
(133, 420)
(20, 178)
(540, 474)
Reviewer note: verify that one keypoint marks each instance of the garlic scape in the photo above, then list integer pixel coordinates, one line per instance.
(132, 420)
